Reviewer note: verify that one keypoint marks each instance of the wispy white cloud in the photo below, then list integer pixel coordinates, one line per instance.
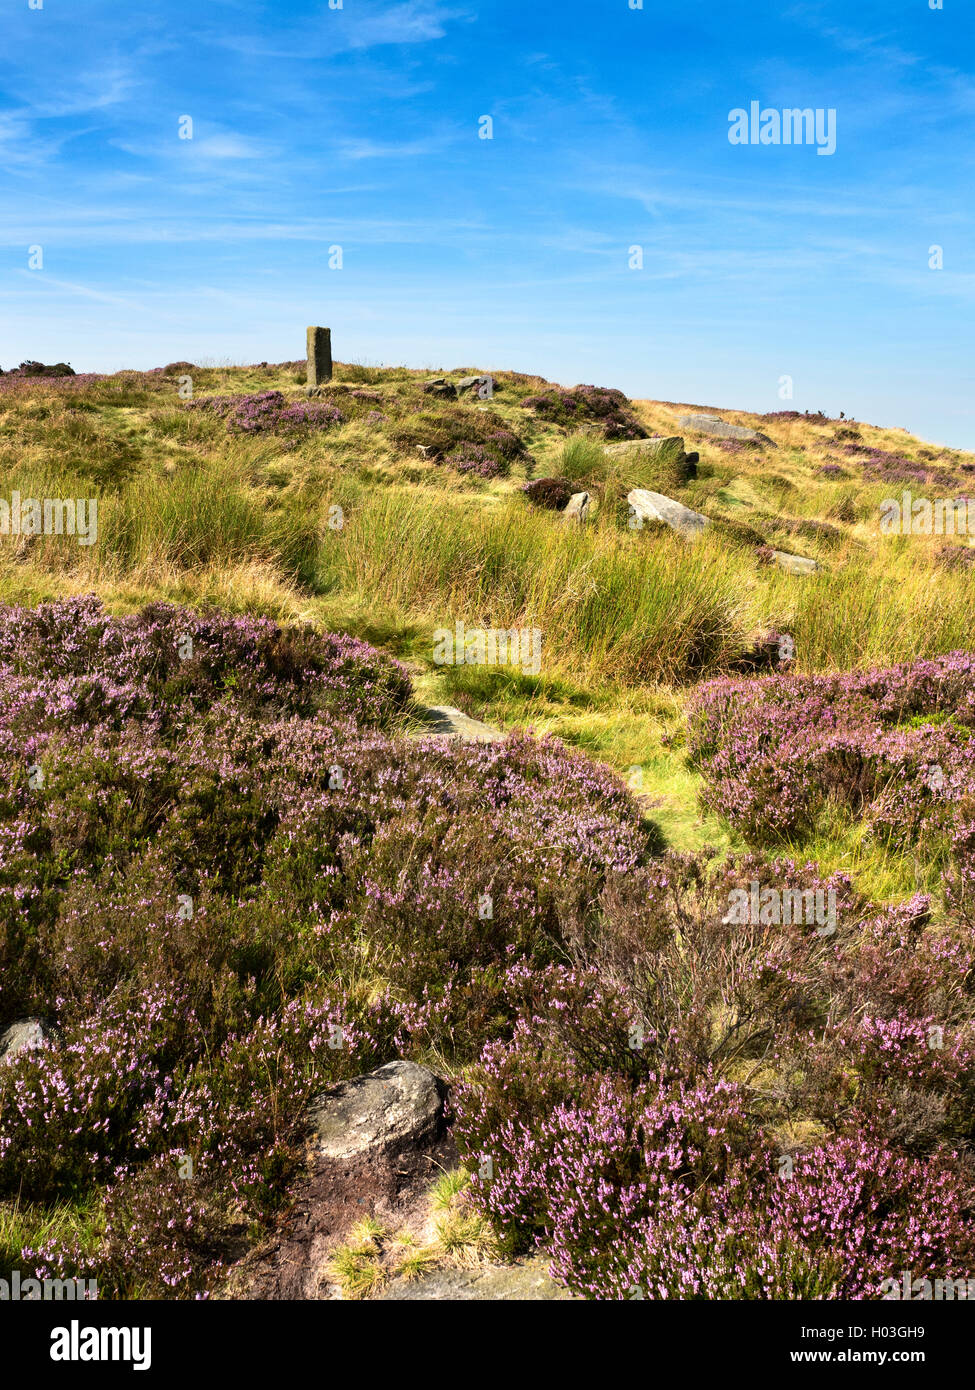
(348, 30)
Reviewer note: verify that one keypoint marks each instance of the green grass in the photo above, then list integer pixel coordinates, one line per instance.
(629, 620)
(32, 1227)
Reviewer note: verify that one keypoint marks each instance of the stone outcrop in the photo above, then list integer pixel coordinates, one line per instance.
(657, 446)
(480, 386)
(721, 429)
(654, 506)
(440, 386)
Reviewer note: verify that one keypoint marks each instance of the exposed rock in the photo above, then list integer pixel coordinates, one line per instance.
(721, 429)
(443, 721)
(22, 1036)
(794, 564)
(654, 447)
(481, 386)
(526, 1281)
(577, 507)
(398, 1104)
(440, 386)
(377, 1146)
(654, 506)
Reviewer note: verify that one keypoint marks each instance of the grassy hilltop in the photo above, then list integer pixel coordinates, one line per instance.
(194, 512)
(233, 871)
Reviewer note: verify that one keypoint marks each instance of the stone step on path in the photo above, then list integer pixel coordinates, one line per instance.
(444, 721)
(527, 1281)
(376, 1145)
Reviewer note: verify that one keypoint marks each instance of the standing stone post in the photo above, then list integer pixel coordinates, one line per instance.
(319, 347)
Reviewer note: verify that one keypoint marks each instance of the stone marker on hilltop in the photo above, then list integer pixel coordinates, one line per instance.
(654, 506)
(319, 351)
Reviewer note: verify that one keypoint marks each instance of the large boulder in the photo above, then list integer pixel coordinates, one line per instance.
(398, 1105)
(721, 429)
(23, 1036)
(480, 386)
(654, 506)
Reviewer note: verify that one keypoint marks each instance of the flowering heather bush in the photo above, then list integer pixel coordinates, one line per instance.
(477, 458)
(268, 412)
(815, 417)
(15, 383)
(552, 493)
(625, 1133)
(580, 405)
(224, 829)
(955, 557)
(776, 750)
(884, 466)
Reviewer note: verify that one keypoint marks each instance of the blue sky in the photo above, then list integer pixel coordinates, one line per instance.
(358, 127)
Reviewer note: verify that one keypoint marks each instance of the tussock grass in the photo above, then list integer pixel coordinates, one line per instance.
(605, 604)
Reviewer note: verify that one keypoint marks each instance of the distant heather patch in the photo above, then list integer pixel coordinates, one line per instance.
(580, 405)
(267, 412)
